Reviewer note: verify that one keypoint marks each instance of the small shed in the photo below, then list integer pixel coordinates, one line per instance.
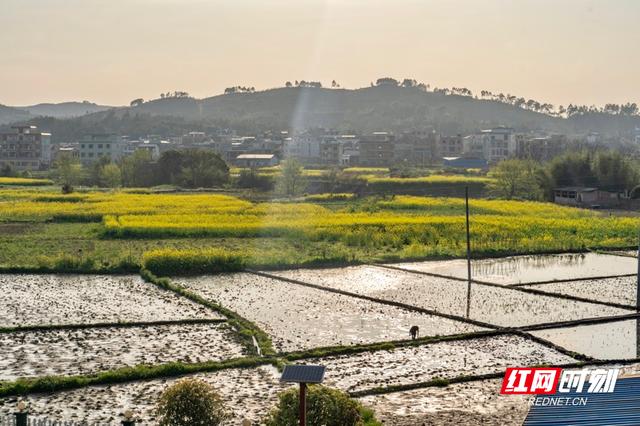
(256, 160)
(575, 195)
(588, 197)
(464, 162)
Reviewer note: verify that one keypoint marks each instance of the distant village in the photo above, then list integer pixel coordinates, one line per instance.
(27, 149)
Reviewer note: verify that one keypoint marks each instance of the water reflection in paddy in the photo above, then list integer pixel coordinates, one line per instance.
(534, 268)
(613, 340)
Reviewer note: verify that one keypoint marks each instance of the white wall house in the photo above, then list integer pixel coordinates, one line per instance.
(493, 145)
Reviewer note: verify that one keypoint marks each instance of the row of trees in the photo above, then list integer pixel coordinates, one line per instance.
(526, 179)
(188, 169)
(175, 94)
(239, 89)
(315, 84)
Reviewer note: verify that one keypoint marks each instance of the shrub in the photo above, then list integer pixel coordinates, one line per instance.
(325, 407)
(190, 402)
(166, 262)
(254, 180)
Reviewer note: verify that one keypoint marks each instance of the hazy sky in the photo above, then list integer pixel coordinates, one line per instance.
(111, 51)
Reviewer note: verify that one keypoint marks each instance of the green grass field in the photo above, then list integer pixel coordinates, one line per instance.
(113, 230)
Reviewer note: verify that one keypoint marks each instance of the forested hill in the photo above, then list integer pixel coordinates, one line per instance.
(362, 110)
(368, 109)
(65, 109)
(10, 114)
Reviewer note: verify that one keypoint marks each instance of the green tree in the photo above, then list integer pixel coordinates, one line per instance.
(291, 181)
(250, 178)
(203, 169)
(573, 169)
(325, 407)
(613, 171)
(137, 169)
(604, 169)
(69, 171)
(7, 171)
(110, 176)
(190, 402)
(96, 169)
(169, 167)
(516, 179)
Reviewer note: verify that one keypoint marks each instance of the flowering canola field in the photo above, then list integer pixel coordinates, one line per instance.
(410, 226)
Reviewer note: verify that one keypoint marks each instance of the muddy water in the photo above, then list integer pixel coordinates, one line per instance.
(299, 317)
(464, 404)
(494, 305)
(409, 365)
(247, 393)
(524, 269)
(69, 299)
(70, 352)
(614, 340)
(620, 290)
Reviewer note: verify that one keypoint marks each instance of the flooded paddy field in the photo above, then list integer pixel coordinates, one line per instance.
(91, 350)
(85, 299)
(494, 305)
(298, 317)
(620, 290)
(529, 269)
(248, 393)
(612, 340)
(417, 364)
(464, 404)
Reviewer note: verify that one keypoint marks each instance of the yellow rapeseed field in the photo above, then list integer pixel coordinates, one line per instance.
(415, 226)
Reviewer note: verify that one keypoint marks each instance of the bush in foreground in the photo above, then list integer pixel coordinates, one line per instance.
(325, 407)
(190, 402)
(166, 262)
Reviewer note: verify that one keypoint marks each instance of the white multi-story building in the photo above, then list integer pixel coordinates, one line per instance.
(92, 147)
(25, 149)
(305, 148)
(493, 145)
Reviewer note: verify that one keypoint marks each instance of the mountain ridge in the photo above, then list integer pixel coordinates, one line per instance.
(367, 109)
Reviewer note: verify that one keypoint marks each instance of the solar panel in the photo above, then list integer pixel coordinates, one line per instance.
(303, 374)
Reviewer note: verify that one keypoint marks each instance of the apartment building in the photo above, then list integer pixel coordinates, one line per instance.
(376, 149)
(540, 148)
(25, 148)
(493, 145)
(416, 148)
(92, 147)
(449, 146)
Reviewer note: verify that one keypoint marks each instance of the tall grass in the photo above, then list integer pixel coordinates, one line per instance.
(17, 181)
(168, 262)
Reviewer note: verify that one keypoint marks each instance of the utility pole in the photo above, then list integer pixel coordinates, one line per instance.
(303, 404)
(466, 200)
(638, 279)
(638, 302)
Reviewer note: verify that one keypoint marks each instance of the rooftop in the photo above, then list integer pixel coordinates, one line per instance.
(255, 157)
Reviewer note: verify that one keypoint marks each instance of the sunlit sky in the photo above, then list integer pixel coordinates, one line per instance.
(112, 51)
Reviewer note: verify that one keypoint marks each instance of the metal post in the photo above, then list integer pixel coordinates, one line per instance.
(638, 279)
(638, 302)
(21, 418)
(303, 404)
(466, 199)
